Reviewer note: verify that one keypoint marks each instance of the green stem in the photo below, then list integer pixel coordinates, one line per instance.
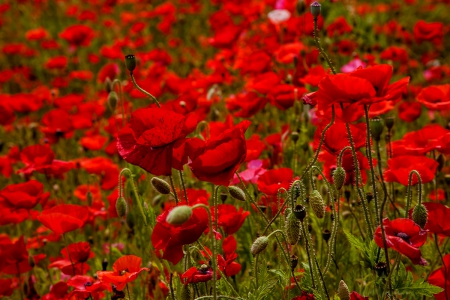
(319, 46)
(443, 262)
(184, 186)
(144, 91)
(409, 192)
(133, 186)
(119, 83)
(173, 189)
(172, 293)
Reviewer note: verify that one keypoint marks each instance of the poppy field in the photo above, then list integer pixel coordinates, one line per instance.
(224, 149)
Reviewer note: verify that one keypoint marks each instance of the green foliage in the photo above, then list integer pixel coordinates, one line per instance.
(368, 250)
(403, 284)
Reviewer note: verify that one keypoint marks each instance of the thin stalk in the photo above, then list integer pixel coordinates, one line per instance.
(136, 194)
(409, 192)
(184, 186)
(119, 83)
(173, 189)
(443, 262)
(144, 91)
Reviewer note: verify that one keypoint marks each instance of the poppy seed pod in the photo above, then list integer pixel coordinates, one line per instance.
(160, 185)
(237, 193)
(300, 212)
(315, 9)
(376, 128)
(259, 245)
(294, 262)
(130, 62)
(389, 122)
(317, 204)
(179, 215)
(339, 178)
(343, 291)
(121, 207)
(420, 215)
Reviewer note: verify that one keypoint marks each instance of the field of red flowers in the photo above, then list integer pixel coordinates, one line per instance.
(225, 149)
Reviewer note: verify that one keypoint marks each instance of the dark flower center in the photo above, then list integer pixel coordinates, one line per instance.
(403, 236)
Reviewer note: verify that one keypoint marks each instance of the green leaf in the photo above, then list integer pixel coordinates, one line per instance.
(354, 241)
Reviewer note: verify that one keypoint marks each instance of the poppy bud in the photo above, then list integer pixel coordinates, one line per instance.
(339, 177)
(300, 6)
(237, 193)
(326, 234)
(130, 62)
(179, 214)
(317, 204)
(295, 136)
(108, 85)
(185, 293)
(376, 128)
(315, 9)
(295, 191)
(300, 212)
(121, 207)
(161, 186)
(112, 100)
(292, 228)
(420, 215)
(389, 122)
(259, 245)
(294, 262)
(343, 292)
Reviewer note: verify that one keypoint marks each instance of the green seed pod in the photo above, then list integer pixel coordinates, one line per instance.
(259, 245)
(237, 193)
(420, 215)
(315, 9)
(339, 178)
(113, 99)
(178, 215)
(292, 228)
(376, 128)
(121, 207)
(160, 185)
(343, 291)
(295, 136)
(130, 62)
(389, 122)
(317, 204)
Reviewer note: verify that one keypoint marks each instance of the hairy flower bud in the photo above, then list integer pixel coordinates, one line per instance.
(160, 185)
(420, 215)
(121, 207)
(343, 291)
(237, 193)
(259, 245)
(317, 204)
(339, 178)
(112, 100)
(292, 228)
(179, 214)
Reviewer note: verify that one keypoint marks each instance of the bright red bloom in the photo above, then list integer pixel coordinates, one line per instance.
(433, 32)
(149, 138)
(230, 219)
(40, 158)
(14, 258)
(78, 35)
(419, 142)
(75, 255)
(435, 97)
(400, 167)
(336, 137)
(438, 218)
(339, 26)
(86, 287)
(404, 236)
(6, 287)
(355, 296)
(442, 279)
(272, 180)
(226, 262)
(283, 96)
(126, 269)
(330, 164)
(195, 275)
(64, 218)
(409, 111)
(221, 156)
(23, 195)
(171, 238)
(442, 144)
(57, 124)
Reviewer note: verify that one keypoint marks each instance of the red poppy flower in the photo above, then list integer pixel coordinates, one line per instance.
(336, 138)
(438, 218)
(149, 138)
(400, 167)
(226, 262)
(126, 269)
(196, 275)
(230, 219)
(272, 180)
(433, 32)
(339, 26)
(24, 195)
(409, 111)
(442, 279)
(14, 258)
(395, 53)
(404, 236)
(36, 34)
(355, 296)
(57, 124)
(75, 255)
(7, 114)
(283, 96)
(442, 144)
(245, 105)
(171, 238)
(419, 142)
(221, 156)
(64, 218)
(86, 287)
(78, 35)
(435, 97)
(6, 287)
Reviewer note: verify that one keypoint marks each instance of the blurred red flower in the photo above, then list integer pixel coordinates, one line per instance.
(433, 32)
(74, 257)
(272, 180)
(23, 195)
(78, 35)
(230, 219)
(399, 168)
(14, 258)
(86, 287)
(64, 217)
(195, 275)
(442, 279)
(435, 97)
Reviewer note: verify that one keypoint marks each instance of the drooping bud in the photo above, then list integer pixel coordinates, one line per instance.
(160, 185)
(237, 193)
(295, 191)
(339, 177)
(343, 291)
(179, 214)
(300, 212)
(259, 245)
(121, 207)
(420, 215)
(130, 62)
(317, 204)
(292, 228)
(315, 9)
(112, 100)
(376, 128)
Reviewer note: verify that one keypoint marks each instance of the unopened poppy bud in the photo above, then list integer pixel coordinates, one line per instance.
(185, 293)
(326, 234)
(130, 62)
(300, 212)
(295, 136)
(295, 191)
(389, 122)
(294, 262)
(160, 185)
(343, 291)
(112, 100)
(237, 193)
(315, 9)
(300, 6)
(108, 85)
(292, 228)
(259, 245)
(317, 204)
(420, 215)
(121, 207)
(339, 178)
(179, 214)
(376, 128)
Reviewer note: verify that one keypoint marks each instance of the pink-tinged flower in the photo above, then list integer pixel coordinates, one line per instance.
(272, 180)
(405, 237)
